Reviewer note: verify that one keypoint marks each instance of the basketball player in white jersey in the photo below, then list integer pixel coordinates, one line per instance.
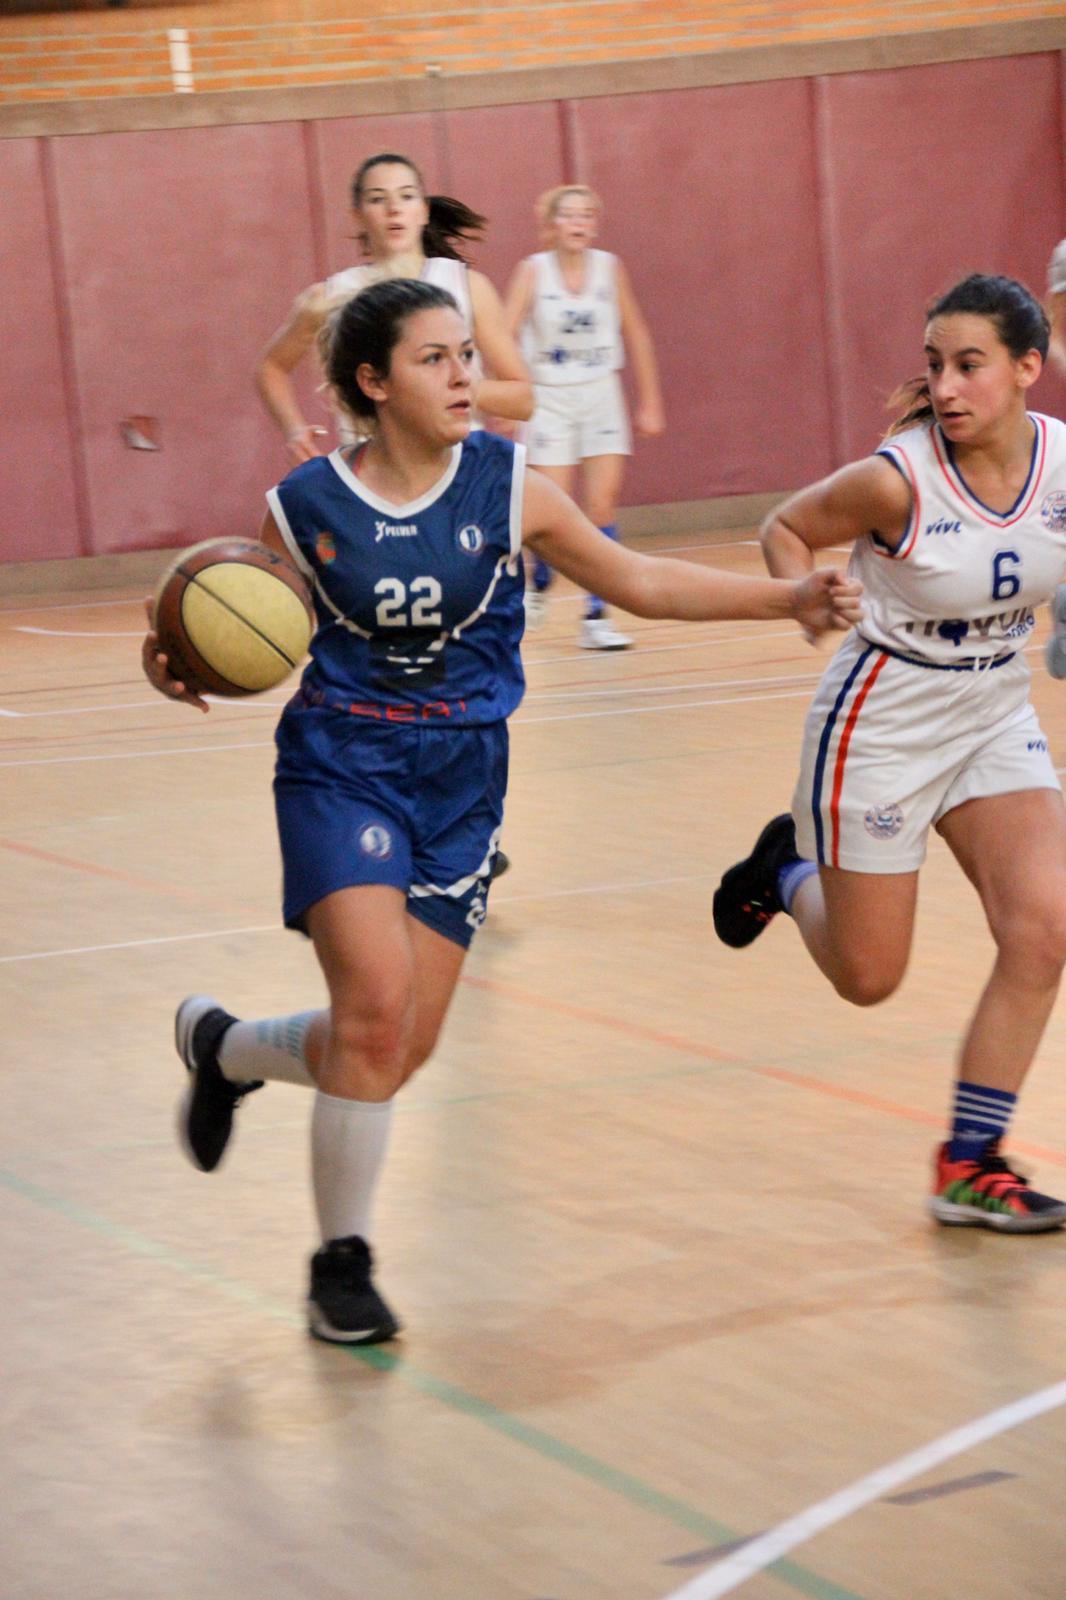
(923, 719)
(578, 316)
(406, 234)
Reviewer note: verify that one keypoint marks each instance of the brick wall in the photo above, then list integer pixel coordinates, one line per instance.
(256, 44)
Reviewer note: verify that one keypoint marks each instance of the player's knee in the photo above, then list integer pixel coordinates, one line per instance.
(420, 1047)
(867, 984)
(1034, 943)
(374, 1040)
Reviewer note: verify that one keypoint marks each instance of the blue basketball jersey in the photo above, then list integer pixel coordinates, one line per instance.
(419, 607)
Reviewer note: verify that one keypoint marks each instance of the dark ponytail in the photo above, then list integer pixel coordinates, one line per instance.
(1014, 312)
(366, 330)
(451, 223)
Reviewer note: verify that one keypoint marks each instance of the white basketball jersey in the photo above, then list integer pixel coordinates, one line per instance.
(572, 338)
(440, 270)
(964, 579)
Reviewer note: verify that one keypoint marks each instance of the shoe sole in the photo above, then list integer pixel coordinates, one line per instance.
(186, 1017)
(185, 1025)
(605, 647)
(320, 1327)
(951, 1215)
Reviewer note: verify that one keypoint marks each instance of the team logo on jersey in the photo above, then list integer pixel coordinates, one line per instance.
(470, 539)
(325, 548)
(376, 841)
(1053, 511)
(883, 822)
(943, 525)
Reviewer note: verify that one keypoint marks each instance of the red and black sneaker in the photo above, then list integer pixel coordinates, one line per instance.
(747, 899)
(987, 1193)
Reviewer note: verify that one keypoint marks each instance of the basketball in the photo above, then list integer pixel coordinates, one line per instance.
(233, 618)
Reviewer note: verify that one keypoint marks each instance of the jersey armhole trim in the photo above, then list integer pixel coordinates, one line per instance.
(898, 551)
(518, 485)
(284, 528)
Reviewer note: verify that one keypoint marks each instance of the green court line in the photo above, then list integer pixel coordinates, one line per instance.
(546, 1445)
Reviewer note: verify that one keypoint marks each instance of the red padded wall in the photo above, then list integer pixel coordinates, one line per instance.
(175, 245)
(36, 471)
(931, 173)
(783, 239)
(527, 158)
(709, 200)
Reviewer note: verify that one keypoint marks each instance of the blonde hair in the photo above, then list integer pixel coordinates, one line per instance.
(550, 201)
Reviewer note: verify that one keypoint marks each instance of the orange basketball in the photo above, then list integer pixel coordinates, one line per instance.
(233, 618)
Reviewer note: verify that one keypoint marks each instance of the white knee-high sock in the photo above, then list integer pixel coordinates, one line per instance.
(271, 1048)
(348, 1143)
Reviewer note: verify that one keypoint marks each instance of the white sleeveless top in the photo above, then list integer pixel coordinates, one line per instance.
(964, 579)
(573, 338)
(440, 270)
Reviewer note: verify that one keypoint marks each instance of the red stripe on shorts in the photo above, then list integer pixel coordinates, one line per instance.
(842, 756)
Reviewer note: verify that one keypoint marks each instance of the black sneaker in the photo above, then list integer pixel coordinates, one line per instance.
(343, 1305)
(500, 864)
(205, 1115)
(746, 899)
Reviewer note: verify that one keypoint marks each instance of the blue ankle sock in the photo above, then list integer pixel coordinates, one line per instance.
(791, 875)
(594, 605)
(979, 1116)
(542, 575)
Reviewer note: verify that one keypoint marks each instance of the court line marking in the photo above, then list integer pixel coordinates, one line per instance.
(276, 927)
(161, 702)
(138, 755)
(183, 891)
(617, 692)
(767, 1549)
(71, 605)
(70, 633)
(520, 721)
(700, 1049)
(612, 1480)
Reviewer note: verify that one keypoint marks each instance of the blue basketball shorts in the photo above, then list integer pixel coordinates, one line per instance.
(417, 807)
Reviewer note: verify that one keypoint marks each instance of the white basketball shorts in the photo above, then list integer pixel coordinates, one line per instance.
(573, 421)
(890, 747)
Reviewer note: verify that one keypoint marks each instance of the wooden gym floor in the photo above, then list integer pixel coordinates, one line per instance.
(653, 1217)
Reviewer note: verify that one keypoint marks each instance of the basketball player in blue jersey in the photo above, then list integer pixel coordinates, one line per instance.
(923, 719)
(405, 234)
(578, 317)
(392, 755)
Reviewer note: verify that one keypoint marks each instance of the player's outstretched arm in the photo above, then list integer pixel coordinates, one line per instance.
(157, 671)
(657, 586)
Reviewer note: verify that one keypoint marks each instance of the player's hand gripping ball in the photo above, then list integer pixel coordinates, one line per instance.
(232, 617)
